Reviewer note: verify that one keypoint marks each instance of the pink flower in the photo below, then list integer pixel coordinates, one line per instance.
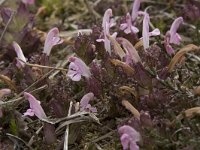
(172, 37)
(145, 32)
(35, 107)
(30, 2)
(84, 103)
(78, 68)
(106, 19)
(129, 136)
(52, 39)
(128, 27)
(135, 9)
(107, 24)
(131, 53)
(20, 55)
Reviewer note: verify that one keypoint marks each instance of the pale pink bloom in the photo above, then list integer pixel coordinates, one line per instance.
(107, 19)
(78, 68)
(131, 52)
(20, 55)
(107, 24)
(128, 26)
(35, 107)
(84, 103)
(129, 136)
(168, 47)
(52, 39)
(155, 32)
(172, 37)
(30, 2)
(135, 9)
(145, 32)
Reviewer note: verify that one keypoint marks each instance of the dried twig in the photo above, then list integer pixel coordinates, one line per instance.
(14, 138)
(63, 64)
(77, 117)
(67, 129)
(41, 66)
(109, 134)
(98, 147)
(20, 98)
(32, 138)
(91, 9)
(2, 1)
(180, 54)
(40, 88)
(39, 80)
(66, 34)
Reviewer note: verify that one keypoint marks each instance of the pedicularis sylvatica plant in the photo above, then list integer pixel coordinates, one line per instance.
(125, 69)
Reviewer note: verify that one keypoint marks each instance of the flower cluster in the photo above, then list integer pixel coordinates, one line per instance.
(107, 24)
(52, 39)
(96, 76)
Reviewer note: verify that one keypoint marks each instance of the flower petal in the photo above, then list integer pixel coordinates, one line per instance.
(112, 23)
(85, 99)
(131, 52)
(100, 40)
(155, 32)
(20, 55)
(35, 106)
(176, 39)
(145, 31)
(29, 112)
(136, 6)
(133, 134)
(128, 27)
(173, 30)
(127, 31)
(107, 23)
(52, 39)
(93, 109)
(123, 26)
(125, 140)
(133, 146)
(169, 49)
(74, 75)
(74, 72)
(106, 18)
(84, 103)
(78, 68)
(134, 29)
